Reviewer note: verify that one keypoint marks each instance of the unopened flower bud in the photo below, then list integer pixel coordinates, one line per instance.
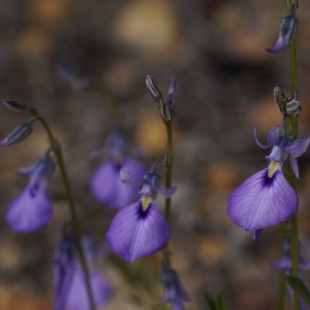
(288, 29)
(19, 107)
(280, 98)
(19, 134)
(293, 107)
(170, 99)
(151, 86)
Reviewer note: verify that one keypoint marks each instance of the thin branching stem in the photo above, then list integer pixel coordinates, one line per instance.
(56, 147)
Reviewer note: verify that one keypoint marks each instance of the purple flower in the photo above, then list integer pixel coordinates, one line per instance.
(288, 29)
(266, 198)
(106, 184)
(174, 292)
(32, 209)
(140, 229)
(70, 287)
(285, 264)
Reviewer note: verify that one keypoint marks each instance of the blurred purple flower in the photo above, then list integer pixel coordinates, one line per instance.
(288, 29)
(140, 229)
(70, 288)
(285, 264)
(174, 292)
(32, 209)
(266, 198)
(106, 184)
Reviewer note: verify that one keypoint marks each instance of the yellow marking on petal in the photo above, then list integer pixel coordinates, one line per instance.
(146, 200)
(273, 167)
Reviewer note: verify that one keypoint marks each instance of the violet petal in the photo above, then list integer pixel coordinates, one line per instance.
(135, 233)
(28, 212)
(297, 147)
(167, 192)
(256, 234)
(273, 135)
(294, 166)
(107, 186)
(257, 141)
(261, 201)
(126, 177)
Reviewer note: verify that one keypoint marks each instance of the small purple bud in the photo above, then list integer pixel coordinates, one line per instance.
(293, 107)
(151, 86)
(170, 99)
(288, 29)
(280, 98)
(19, 134)
(19, 107)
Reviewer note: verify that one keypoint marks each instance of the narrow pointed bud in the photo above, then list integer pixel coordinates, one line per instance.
(170, 99)
(279, 98)
(19, 107)
(19, 134)
(288, 29)
(152, 88)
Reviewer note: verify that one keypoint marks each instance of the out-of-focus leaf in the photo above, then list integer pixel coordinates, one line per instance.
(221, 304)
(299, 286)
(211, 302)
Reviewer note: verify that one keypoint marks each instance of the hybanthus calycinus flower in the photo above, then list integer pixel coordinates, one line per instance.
(32, 209)
(174, 292)
(285, 264)
(266, 198)
(140, 229)
(70, 284)
(106, 184)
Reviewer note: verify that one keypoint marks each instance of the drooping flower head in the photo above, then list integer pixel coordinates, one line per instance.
(70, 285)
(266, 198)
(32, 209)
(106, 184)
(285, 264)
(288, 29)
(140, 229)
(174, 292)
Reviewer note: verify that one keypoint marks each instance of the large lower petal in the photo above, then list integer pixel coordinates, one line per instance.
(107, 187)
(135, 233)
(261, 201)
(28, 211)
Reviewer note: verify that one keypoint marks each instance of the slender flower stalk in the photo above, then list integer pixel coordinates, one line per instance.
(292, 129)
(56, 147)
(167, 110)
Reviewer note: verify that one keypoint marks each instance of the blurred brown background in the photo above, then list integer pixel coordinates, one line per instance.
(216, 51)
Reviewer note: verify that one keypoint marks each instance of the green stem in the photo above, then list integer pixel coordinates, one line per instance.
(292, 129)
(168, 168)
(282, 291)
(168, 180)
(56, 147)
